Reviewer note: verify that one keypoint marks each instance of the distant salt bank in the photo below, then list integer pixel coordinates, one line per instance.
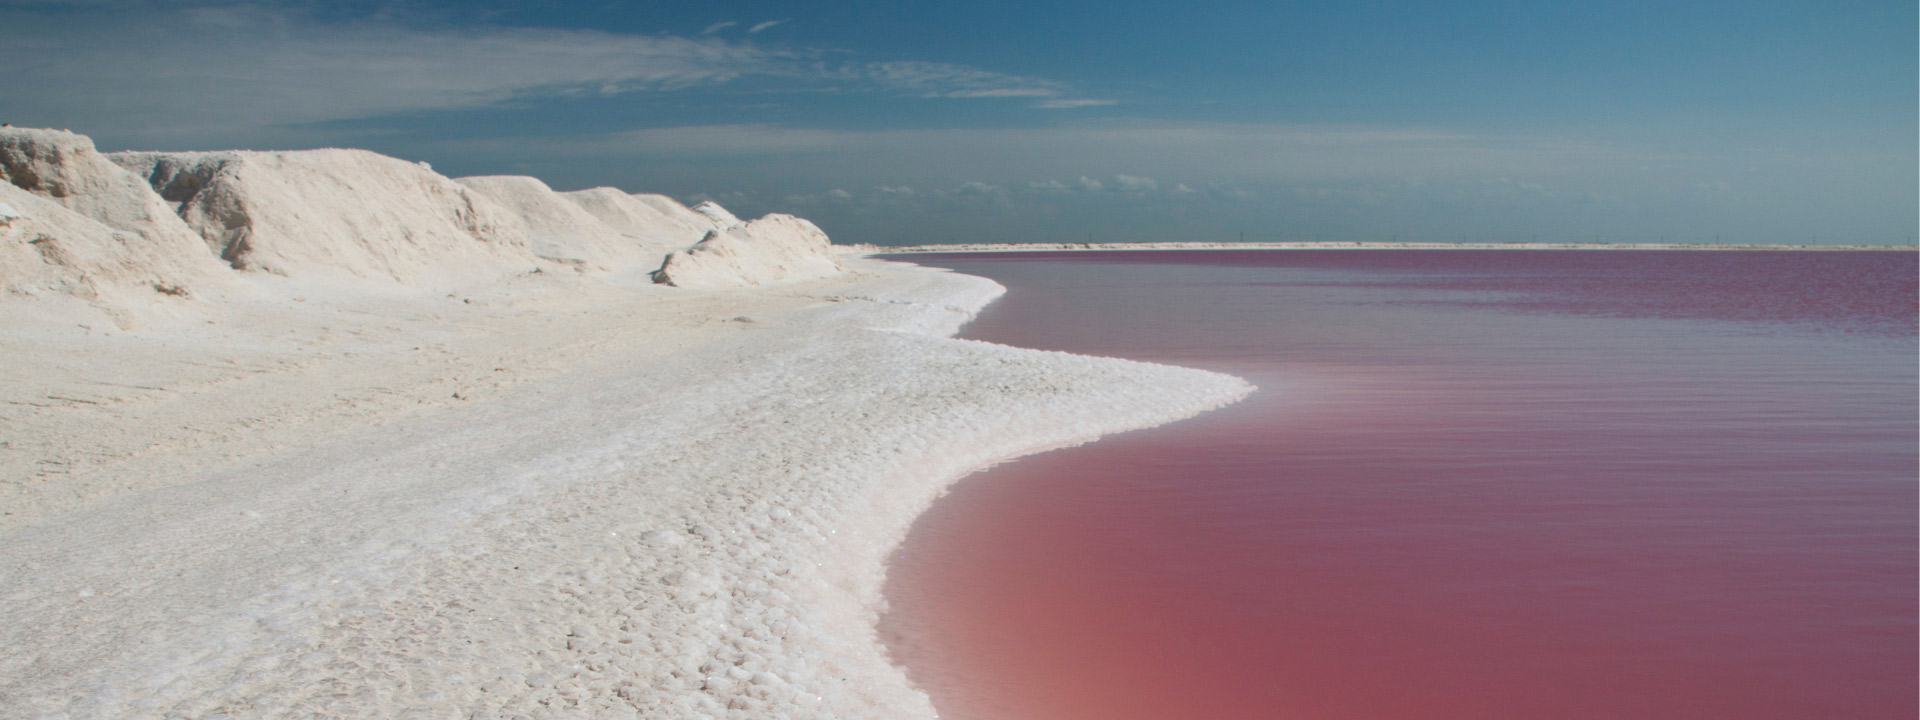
(1056, 247)
(326, 433)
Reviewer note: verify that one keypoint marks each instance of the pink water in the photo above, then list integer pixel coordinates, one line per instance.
(1474, 484)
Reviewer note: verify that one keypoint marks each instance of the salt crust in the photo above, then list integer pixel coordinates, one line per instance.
(700, 534)
(331, 487)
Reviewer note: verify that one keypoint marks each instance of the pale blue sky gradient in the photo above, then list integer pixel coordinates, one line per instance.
(911, 122)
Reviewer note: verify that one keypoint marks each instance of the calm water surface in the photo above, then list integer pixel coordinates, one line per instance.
(1474, 484)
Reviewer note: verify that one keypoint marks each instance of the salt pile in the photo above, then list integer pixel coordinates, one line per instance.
(719, 214)
(337, 213)
(655, 223)
(382, 468)
(81, 227)
(114, 227)
(775, 248)
(561, 230)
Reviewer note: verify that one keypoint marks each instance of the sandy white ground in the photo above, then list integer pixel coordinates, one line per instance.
(686, 516)
(327, 434)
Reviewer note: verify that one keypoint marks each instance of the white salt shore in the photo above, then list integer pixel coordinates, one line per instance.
(376, 481)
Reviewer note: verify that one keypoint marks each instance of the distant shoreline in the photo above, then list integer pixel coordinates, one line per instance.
(1052, 247)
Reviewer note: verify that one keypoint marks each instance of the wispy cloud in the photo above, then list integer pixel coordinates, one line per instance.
(946, 80)
(225, 74)
(1085, 185)
(223, 71)
(976, 188)
(1104, 158)
(1001, 92)
(1134, 184)
(1072, 103)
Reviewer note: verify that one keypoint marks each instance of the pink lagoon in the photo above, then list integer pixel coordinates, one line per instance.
(1473, 484)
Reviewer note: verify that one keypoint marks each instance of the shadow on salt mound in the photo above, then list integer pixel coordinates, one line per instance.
(774, 249)
(332, 213)
(656, 222)
(560, 230)
(82, 227)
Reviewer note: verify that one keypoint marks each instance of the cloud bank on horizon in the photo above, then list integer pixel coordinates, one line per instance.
(928, 122)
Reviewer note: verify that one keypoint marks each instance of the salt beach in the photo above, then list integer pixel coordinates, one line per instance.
(467, 465)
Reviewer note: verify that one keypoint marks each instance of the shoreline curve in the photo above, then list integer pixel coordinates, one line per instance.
(695, 533)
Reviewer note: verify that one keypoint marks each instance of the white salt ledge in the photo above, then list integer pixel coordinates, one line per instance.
(373, 465)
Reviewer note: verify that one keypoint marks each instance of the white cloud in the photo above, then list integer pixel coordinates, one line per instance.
(1087, 185)
(1071, 103)
(980, 189)
(691, 141)
(217, 71)
(1005, 92)
(946, 80)
(1132, 184)
(758, 27)
(835, 196)
(726, 199)
(1225, 153)
(221, 74)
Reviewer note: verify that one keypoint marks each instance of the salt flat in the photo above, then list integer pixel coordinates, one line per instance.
(443, 480)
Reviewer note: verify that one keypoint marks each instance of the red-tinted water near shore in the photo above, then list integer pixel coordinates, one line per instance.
(1474, 484)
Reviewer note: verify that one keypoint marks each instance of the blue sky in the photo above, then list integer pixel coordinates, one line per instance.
(908, 122)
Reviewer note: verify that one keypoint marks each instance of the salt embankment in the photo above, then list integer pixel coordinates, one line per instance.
(441, 475)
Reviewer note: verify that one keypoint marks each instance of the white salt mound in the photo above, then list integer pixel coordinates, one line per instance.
(337, 213)
(114, 229)
(656, 223)
(65, 168)
(562, 231)
(719, 214)
(683, 215)
(79, 226)
(774, 249)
